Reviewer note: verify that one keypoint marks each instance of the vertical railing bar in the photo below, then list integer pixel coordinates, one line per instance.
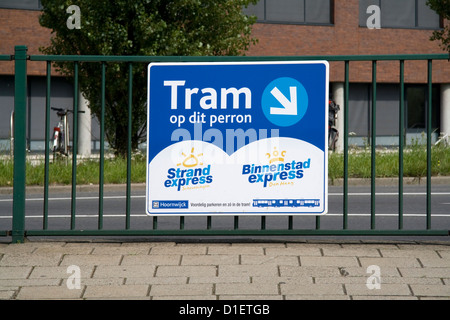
(20, 143)
(102, 148)
(401, 143)
(155, 223)
(290, 222)
(130, 105)
(317, 222)
(263, 222)
(236, 223)
(47, 148)
(346, 105)
(429, 124)
(181, 222)
(373, 144)
(74, 146)
(208, 222)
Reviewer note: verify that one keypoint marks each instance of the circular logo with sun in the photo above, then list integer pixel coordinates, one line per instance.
(192, 160)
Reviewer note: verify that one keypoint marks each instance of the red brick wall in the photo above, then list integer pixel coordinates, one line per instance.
(346, 37)
(21, 27)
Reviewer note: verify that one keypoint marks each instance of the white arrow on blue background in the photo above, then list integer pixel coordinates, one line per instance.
(289, 106)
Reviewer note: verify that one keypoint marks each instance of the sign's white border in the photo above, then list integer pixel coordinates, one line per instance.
(187, 212)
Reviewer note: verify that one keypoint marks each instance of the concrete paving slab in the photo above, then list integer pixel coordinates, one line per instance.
(321, 270)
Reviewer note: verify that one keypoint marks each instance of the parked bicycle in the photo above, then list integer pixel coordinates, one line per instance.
(61, 134)
(333, 133)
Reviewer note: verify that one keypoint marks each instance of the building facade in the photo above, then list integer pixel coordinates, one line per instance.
(19, 25)
(286, 28)
(364, 27)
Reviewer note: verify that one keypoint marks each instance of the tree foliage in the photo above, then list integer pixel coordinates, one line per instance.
(442, 7)
(144, 28)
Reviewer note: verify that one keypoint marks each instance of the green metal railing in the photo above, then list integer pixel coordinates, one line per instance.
(19, 230)
(4, 57)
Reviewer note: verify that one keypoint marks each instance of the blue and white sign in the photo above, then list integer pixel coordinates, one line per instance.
(237, 138)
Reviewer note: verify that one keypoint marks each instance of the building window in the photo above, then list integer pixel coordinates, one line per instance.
(387, 113)
(22, 4)
(416, 107)
(401, 14)
(292, 11)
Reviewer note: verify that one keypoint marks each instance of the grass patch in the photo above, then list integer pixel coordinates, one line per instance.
(88, 172)
(359, 166)
(387, 163)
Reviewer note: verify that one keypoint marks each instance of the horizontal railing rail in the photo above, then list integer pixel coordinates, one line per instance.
(6, 57)
(97, 58)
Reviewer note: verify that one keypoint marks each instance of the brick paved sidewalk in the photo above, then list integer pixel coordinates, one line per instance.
(219, 271)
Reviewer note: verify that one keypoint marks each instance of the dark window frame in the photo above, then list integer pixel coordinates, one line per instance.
(422, 112)
(362, 11)
(330, 23)
(16, 5)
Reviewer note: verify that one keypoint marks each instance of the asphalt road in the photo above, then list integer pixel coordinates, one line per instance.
(359, 208)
